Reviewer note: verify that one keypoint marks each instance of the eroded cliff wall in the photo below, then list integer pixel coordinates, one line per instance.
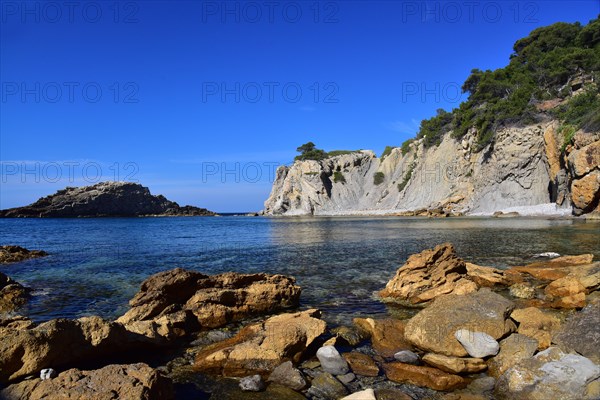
(523, 167)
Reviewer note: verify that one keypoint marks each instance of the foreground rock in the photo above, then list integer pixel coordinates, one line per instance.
(176, 302)
(455, 365)
(556, 268)
(536, 324)
(387, 335)
(422, 376)
(259, 348)
(513, 349)
(551, 374)
(105, 199)
(433, 329)
(12, 294)
(11, 254)
(60, 343)
(581, 333)
(133, 381)
(429, 274)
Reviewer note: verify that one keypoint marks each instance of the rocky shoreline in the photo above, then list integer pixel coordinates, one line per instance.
(528, 332)
(104, 199)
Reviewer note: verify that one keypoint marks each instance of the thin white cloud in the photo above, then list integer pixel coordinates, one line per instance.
(411, 127)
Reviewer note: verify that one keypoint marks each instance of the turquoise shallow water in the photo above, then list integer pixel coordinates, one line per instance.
(97, 265)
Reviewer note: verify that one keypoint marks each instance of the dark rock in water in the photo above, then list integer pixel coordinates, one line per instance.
(134, 381)
(11, 254)
(105, 199)
(12, 294)
(326, 386)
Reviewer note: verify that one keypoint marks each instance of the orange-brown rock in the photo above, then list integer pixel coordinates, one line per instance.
(488, 276)
(11, 254)
(12, 294)
(430, 274)
(259, 348)
(585, 192)
(584, 160)
(422, 376)
(455, 365)
(568, 292)
(536, 324)
(361, 364)
(133, 381)
(387, 335)
(168, 298)
(555, 268)
(60, 343)
(433, 329)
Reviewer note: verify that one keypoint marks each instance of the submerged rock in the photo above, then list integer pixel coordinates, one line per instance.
(11, 254)
(367, 394)
(104, 199)
(326, 386)
(433, 328)
(133, 381)
(551, 374)
(259, 348)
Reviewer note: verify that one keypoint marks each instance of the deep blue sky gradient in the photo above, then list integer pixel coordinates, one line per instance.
(368, 72)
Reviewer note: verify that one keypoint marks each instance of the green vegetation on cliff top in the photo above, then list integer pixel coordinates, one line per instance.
(545, 65)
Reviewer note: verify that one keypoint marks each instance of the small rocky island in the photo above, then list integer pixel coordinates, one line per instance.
(104, 199)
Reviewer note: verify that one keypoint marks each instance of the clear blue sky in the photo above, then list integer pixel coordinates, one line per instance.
(199, 100)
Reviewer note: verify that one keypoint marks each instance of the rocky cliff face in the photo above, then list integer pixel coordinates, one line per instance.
(105, 199)
(523, 167)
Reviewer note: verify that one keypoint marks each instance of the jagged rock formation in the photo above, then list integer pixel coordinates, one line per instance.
(105, 199)
(523, 167)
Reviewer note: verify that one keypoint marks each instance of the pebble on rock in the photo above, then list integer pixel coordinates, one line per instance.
(47, 373)
(347, 378)
(367, 394)
(407, 357)
(332, 361)
(252, 383)
(477, 344)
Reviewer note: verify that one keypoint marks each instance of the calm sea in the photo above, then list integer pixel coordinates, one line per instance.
(97, 265)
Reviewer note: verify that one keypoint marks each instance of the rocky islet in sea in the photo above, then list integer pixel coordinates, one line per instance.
(471, 339)
(104, 199)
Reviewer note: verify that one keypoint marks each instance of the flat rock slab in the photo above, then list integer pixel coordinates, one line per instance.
(433, 328)
(429, 377)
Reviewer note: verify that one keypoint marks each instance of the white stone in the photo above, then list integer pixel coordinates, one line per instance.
(367, 394)
(477, 344)
(407, 357)
(252, 383)
(332, 361)
(47, 373)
